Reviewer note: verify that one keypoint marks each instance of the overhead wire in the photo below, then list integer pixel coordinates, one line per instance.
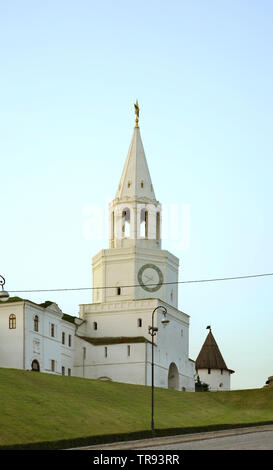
(146, 285)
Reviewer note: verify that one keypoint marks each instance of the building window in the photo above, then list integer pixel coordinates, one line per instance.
(221, 371)
(52, 330)
(69, 341)
(52, 365)
(142, 184)
(95, 325)
(36, 323)
(129, 184)
(68, 371)
(208, 371)
(84, 352)
(63, 337)
(12, 321)
(128, 351)
(118, 290)
(105, 352)
(63, 370)
(139, 322)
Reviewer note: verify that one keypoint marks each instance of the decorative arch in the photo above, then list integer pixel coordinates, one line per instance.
(173, 377)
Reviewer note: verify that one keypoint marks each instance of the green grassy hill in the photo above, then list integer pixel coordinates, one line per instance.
(41, 409)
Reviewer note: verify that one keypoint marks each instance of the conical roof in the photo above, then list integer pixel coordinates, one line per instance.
(135, 182)
(210, 356)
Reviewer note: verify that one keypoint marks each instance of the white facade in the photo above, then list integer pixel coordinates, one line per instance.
(218, 380)
(128, 323)
(32, 337)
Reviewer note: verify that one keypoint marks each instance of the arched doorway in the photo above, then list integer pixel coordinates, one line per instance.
(173, 377)
(35, 366)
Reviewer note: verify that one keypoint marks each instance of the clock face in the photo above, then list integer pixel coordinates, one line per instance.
(150, 277)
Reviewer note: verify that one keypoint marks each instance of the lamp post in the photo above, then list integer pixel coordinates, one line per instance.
(4, 295)
(152, 331)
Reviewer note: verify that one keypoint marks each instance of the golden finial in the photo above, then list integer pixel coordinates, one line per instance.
(137, 112)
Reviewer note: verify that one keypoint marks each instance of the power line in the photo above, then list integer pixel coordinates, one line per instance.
(148, 285)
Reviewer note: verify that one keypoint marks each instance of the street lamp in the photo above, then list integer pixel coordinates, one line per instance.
(4, 295)
(152, 331)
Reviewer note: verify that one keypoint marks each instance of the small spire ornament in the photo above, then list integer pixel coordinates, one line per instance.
(136, 112)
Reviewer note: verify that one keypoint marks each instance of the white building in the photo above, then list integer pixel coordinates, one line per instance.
(131, 279)
(211, 367)
(36, 337)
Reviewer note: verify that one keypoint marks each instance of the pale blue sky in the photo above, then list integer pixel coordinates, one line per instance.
(202, 72)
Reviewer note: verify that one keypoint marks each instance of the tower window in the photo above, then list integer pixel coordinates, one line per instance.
(105, 352)
(128, 351)
(63, 337)
(12, 321)
(158, 225)
(144, 223)
(118, 290)
(142, 184)
(129, 184)
(69, 340)
(113, 225)
(52, 330)
(139, 322)
(36, 323)
(126, 223)
(95, 325)
(208, 371)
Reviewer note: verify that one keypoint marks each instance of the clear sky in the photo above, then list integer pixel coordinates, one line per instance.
(202, 72)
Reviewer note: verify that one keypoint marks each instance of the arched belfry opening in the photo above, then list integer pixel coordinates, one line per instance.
(144, 223)
(173, 377)
(126, 223)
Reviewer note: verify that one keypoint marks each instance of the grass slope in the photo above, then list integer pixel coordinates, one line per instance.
(37, 407)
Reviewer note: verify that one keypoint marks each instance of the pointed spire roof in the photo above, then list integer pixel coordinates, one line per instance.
(135, 182)
(210, 356)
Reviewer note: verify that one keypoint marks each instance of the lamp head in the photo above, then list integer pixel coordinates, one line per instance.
(4, 295)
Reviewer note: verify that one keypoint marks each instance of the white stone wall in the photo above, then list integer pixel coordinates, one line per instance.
(216, 380)
(120, 319)
(12, 340)
(117, 365)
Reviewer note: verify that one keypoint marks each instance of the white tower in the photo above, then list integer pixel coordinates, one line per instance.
(211, 367)
(134, 257)
(130, 279)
